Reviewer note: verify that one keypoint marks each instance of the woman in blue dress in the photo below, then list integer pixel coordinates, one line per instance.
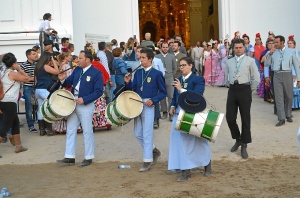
(187, 151)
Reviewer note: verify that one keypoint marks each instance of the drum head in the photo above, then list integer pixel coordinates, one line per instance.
(62, 102)
(128, 107)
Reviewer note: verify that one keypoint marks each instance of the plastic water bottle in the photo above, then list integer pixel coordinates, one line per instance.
(4, 193)
(124, 166)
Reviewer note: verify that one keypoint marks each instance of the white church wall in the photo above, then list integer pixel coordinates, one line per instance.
(259, 16)
(116, 18)
(26, 15)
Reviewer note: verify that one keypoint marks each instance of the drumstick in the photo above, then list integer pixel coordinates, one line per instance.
(65, 97)
(136, 100)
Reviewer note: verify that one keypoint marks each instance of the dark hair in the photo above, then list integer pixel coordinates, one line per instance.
(117, 52)
(64, 39)
(28, 52)
(151, 47)
(122, 45)
(95, 57)
(36, 48)
(140, 47)
(74, 57)
(281, 38)
(246, 37)
(177, 35)
(149, 53)
(164, 43)
(293, 41)
(87, 54)
(179, 44)
(101, 46)
(54, 31)
(86, 46)
(44, 59)
(46, 16)
(9, 59)
(238, 41)
(70, 45)
(188, 60)
(114, 41)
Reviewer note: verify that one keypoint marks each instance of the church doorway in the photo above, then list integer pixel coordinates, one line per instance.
(194, 20)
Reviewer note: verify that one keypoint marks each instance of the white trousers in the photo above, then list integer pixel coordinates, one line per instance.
(83, 114)
(41, 95)
(143, 131)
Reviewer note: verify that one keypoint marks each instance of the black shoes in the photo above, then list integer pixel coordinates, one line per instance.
(185, 175)
(156, 123)
(207, 170)
(146, 166)
(244, 151)
(165, 115)
(67, 161)
(280, 123)
(289, 119)
(156, 154)
(235, 146)
(85, 163)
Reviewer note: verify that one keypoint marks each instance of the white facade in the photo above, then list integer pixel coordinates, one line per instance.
(119, 19)
(259, 16)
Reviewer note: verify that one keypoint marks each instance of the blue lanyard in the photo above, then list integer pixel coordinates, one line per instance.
(143, 79)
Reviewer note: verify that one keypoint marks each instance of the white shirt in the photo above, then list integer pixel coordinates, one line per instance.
(76, 90)
(44, 26)
(184, 79)
(175, 53)
(148, 68)
(238, 58)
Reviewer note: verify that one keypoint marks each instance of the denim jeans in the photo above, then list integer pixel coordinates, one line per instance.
(108, 93)
(27, 92)
(112, 89)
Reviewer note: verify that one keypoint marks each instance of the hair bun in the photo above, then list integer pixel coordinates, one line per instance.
(291, 37)
(257, 35)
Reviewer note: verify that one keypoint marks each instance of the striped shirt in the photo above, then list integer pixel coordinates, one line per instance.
(103, 60)
(28, 68)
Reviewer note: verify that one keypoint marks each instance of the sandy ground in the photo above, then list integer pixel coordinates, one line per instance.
(272, 169)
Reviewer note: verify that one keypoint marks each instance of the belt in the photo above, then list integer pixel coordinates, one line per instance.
(237, 83)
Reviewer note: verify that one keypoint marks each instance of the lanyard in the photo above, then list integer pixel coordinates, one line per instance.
(79, 80)
(237, 66)
(143, 79)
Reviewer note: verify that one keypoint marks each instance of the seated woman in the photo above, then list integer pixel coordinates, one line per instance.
(11, 77)
(187, 151)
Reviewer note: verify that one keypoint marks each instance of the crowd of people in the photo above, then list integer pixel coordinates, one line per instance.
(169, 79)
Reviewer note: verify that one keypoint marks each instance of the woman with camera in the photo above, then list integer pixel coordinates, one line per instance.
(11, 77)
(45, 68)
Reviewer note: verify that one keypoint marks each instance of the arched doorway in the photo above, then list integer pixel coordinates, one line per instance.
(150, 27)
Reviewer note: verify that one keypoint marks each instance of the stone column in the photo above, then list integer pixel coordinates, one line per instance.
(195, 9)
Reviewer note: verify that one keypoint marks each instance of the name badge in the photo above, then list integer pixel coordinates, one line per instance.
(148, 79)
(88, 78)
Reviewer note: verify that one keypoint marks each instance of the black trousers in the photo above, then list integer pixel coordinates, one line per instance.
(239, 98)
(10, 118)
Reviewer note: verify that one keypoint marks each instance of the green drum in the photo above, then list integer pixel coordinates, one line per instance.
(127, 106)
(205, 124)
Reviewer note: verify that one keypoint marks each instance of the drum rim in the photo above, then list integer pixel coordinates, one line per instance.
(128, 91)
(73, 107)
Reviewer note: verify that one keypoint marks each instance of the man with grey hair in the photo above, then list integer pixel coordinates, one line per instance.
(147, 42)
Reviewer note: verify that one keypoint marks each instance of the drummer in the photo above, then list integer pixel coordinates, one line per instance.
(149, 84)
(87, 83)
(187, 151)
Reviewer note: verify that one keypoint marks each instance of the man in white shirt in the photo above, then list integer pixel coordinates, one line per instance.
(44, 29)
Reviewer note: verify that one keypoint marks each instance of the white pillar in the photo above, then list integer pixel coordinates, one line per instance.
(135, 18)
(226, 18)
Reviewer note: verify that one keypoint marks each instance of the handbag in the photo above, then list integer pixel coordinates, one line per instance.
(33, 99)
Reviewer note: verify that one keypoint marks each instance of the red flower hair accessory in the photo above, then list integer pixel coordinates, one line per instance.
(291, 37)
(257, 35)
(244, 35)
(64, 49)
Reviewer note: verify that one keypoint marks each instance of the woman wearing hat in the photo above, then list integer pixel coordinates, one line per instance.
(187, 151)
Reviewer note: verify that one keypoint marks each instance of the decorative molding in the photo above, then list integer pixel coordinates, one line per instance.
(7, 13)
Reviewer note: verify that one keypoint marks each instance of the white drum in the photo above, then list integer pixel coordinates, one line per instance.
(127, 106)
(205, 124)
(60, 104)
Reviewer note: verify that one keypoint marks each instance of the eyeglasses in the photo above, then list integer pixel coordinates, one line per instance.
(183, 65)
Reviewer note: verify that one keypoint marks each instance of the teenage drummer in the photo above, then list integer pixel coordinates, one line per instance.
(149, 84)
(187, 151)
